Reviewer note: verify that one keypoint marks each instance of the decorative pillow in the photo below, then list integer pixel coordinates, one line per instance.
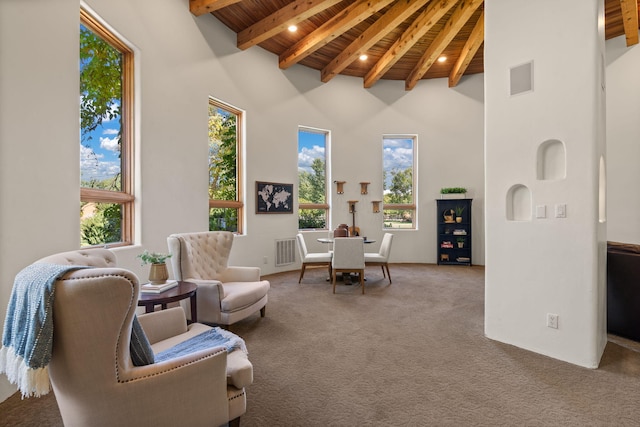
(141, 352)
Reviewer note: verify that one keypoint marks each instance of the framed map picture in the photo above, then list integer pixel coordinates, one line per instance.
(274, 198)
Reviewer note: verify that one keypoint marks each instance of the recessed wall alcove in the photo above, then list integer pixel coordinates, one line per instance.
(552, 160)
(519, 203)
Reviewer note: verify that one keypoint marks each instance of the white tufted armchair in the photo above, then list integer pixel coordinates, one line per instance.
(91, 370)
(226, 294)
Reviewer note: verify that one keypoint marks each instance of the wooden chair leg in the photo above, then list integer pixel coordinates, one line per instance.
(263, 311)
(388, 274)
(301, 273)
(383, 273)
(362, 280)
(234, 422)
(333, 280)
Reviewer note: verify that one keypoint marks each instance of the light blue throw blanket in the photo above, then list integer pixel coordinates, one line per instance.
(216, 337)
(27, 340)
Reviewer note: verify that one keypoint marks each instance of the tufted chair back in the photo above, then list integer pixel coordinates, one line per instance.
(98, 257)
(202, 256)
(226, 293)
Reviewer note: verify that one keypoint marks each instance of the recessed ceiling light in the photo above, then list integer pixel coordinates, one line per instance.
(442, 59)
(363, 57)
(293, 28)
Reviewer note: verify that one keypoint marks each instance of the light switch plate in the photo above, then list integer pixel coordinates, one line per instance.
(541, 211)
(561, 210)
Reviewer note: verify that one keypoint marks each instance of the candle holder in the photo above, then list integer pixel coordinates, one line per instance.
(340, 186)
(376, 206)
(363, 187)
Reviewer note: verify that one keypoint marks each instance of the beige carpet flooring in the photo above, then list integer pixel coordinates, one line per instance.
(408, 354)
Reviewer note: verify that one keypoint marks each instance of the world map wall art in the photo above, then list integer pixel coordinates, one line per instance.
(274, 198)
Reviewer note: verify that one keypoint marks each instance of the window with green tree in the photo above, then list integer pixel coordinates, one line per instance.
(398, 154)
(313, 209)
(225, 183)
(106, 136)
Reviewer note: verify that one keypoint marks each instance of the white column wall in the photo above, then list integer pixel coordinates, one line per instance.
(545, 265)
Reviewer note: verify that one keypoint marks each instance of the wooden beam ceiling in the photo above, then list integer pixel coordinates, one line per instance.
(630, 20)
(330, 30)
(460, 16)
(402, 39)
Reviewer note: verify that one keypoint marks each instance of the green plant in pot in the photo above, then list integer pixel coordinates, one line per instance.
(158, 272)
(460, 241)
(459, 210)
(453, 190)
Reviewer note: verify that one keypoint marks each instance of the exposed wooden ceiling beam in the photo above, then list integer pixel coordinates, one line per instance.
(333, 28)
(457, 20)
(293, 13)
(200, 7)
(422, 24)
(475, 40)
(630, 20)
(391, 19)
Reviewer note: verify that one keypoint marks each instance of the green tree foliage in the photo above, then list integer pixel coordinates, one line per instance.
(400, 191)
(100, 82)
(100, 100)
(222, 167)
(312, 189)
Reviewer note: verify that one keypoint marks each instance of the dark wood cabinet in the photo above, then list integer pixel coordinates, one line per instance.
(454, 231)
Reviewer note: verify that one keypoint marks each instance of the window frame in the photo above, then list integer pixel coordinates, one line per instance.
(414, 182)
(125, 196)
(317, 206)
(239, 202)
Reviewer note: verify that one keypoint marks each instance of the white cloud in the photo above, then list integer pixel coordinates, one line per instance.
(110, 132)
(110, 144)
(93, 167)
(307, 155)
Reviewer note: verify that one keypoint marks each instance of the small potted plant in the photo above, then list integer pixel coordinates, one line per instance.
(158, 273)
(453, 193)
(459, 210)
(460, 241)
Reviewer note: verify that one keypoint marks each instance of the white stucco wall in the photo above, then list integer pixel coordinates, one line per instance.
(545, 265)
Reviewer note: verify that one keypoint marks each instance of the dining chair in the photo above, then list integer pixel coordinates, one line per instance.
(311, 258)
(381, 257)
(348, 256)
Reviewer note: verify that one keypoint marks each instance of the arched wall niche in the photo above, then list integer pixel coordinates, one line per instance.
(552, 160)
(519, 203)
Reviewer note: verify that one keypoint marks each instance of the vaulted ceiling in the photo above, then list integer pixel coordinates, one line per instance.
(402, 39)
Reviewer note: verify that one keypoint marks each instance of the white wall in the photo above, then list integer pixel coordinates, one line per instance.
(182, 60)
(623, 141)
(545, 265)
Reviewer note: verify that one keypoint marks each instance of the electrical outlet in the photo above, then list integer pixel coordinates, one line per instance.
(552, 320)
(265, 260)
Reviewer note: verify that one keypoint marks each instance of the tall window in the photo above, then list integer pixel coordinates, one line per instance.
(313, 209)
(106, 137)
(398, 154)
(225, 177)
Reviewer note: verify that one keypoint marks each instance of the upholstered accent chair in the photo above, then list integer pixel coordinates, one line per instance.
(381, 257)
(226, 294)
(311, 258)
(91, 370)
(348, 256)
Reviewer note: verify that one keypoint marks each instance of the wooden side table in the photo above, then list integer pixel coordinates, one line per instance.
(182, 291)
